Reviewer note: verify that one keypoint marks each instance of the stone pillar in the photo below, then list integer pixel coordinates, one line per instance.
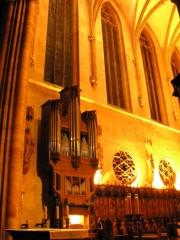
(5, 119)
(13, 215)
(13, 15)
(75, 41)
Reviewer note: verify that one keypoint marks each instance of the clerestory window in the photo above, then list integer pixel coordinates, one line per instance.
(152, 76)
(58, 59)
(115, 64)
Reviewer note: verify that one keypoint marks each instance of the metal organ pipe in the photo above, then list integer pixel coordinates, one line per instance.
(72, 129)
(75, 125)
(92, 135)
(50, 133)
(55, 131)
(58, 130)
(90, 139)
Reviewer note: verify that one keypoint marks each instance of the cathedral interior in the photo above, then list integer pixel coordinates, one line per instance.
(90, 117)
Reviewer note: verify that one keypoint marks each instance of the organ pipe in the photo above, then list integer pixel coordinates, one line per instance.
(91, 120)
(55, 131)
(75, 122)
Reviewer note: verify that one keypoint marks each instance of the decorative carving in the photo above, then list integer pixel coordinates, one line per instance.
(55, 196)
(91, 38)
(31, 60)
(28, 151)
(167, 173)
(75, 160)
(58, 181)
(29, 113)
(150, 161)
(110, 201)
(124, 167)
(93, 81)
(141, 101)
(99, 130)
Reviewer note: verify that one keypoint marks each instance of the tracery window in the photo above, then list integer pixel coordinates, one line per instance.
(115, 64)
(152, 76)
(167, 173)
(58, 59)
(124, 167)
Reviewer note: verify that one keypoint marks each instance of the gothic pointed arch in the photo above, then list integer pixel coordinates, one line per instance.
(152, 77)
(117, 83)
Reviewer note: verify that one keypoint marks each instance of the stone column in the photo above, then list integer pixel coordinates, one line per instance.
(18, 127)
(75, 41)
(7, 84)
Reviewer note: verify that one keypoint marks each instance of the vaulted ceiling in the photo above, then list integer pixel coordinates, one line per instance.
(161, 15)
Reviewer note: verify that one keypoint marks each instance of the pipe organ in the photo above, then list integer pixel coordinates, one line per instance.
(70, 133)
(68, 143)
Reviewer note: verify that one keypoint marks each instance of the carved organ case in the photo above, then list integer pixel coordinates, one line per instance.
(69, 143)
(67, 132)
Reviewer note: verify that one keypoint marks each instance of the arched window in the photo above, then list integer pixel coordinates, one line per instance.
(115, 64)
(175, 64)
(152, 76)
(58, 59)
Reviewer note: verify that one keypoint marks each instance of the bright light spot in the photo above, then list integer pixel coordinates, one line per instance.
(135, 183)
(77, 219)
(98, 176)
(177, 184)
(157, 183)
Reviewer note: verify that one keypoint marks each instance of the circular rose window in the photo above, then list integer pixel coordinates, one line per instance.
(167, 173)
(124, 167)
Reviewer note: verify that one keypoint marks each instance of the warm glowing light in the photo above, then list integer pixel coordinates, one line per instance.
(177, 184)
(135, 183)
(157, 183)
(76, 219)
(98, 176)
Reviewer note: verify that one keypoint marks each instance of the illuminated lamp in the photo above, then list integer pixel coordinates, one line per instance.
(98, 175)
(176, 84)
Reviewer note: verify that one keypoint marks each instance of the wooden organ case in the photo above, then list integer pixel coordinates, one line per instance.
(68, 157)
